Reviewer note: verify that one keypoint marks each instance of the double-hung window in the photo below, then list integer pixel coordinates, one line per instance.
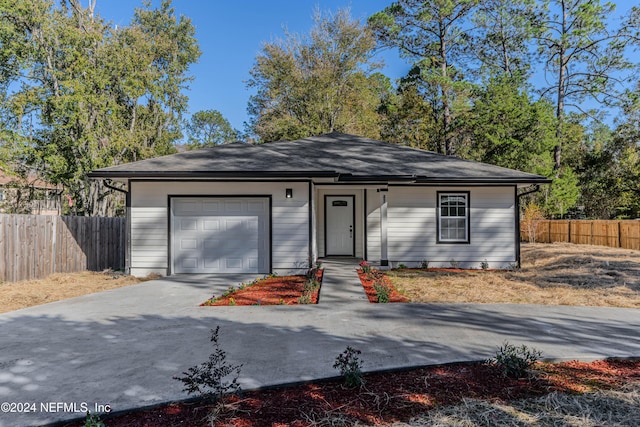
(453, 217)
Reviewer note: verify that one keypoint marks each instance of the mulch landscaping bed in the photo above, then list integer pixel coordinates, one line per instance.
(385, 397)
(368, 279)
(278, 290)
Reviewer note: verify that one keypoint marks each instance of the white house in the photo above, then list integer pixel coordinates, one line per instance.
(279, 206)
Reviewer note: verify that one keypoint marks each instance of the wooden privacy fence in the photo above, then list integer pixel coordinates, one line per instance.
(615, 234)
(34, 246)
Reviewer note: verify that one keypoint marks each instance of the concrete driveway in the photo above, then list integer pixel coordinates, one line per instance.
(122, 347)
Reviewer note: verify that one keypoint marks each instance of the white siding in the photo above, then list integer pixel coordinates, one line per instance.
(150, 219)
(412, 227)
(373, 225)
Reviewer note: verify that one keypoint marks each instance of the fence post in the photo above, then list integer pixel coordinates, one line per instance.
(54, 243)
(619, 234)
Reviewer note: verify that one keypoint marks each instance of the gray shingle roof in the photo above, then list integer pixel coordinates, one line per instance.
(344, 157)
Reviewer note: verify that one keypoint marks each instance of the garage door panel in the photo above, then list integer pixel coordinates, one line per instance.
(188, 244)
(213, 263)
(189, 263)
(234, 263)
(257, 206)
(187, 224)
(252, 263)
(188, 207)
(210, 245)
(211, 225)
(252, 225)
(220, 235)
(211, 207)
(233, 207)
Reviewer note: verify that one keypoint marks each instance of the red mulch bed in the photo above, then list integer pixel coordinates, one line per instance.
(386, 397)
(277, 290)
(367, 280)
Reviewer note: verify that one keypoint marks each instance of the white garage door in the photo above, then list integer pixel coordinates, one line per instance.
(220, 235)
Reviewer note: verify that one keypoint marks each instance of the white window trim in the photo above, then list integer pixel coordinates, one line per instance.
(467, 222)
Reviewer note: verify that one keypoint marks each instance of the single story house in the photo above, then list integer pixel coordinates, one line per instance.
(278, 207)
(29, 195)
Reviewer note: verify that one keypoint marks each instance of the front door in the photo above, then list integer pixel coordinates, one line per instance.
(339, 225)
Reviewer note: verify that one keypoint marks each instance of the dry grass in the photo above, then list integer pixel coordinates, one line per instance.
(601, 408)
(59, 286)
(554, 274)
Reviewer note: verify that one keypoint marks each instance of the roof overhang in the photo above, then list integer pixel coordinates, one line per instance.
(209, 174)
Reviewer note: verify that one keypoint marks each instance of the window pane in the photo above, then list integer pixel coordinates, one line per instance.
(453, 217)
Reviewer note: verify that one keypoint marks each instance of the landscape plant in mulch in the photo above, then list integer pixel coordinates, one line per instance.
(399, 396)
(378, 286)
(273, 290)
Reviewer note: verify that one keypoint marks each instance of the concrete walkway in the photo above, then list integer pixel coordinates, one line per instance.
(122, 347)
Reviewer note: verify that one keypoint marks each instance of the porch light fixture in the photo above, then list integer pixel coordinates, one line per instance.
(289, 193)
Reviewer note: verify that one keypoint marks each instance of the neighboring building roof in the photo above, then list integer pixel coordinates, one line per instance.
(31, 181)
(341, 156)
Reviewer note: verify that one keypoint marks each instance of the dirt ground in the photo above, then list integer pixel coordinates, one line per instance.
(59, 286)
(554, 274)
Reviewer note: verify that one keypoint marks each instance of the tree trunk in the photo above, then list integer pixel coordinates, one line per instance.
(557, 151)
(449, 146)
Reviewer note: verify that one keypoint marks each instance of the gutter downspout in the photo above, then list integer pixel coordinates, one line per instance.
(535, 188)
(127, 239)
(108, 183)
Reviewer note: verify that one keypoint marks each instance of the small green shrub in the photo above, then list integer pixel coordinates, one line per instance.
(484, 265)
(424, 264)
(208, 378)
(311, 285)
(382, 291)
(305, 298)
(350, 367)
(311, 273)
(93, 420)
(365, 267)
(401, 267)
(516, 362)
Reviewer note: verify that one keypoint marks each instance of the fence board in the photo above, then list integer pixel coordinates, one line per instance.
(34, 246)
(615, 234)
(558, 231)
(630, 234)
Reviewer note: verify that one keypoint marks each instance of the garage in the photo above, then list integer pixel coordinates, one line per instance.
(220, 234)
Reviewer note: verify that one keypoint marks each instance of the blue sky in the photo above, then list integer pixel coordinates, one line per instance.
(230, 35)
(231, 32)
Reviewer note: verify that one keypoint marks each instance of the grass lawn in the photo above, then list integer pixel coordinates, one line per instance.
(59, 286)
(553, 274)
(559, 273)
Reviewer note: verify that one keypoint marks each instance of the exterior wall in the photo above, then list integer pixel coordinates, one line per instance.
(412, 227)
(373, 225)
(359, 216)
(150, 220)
